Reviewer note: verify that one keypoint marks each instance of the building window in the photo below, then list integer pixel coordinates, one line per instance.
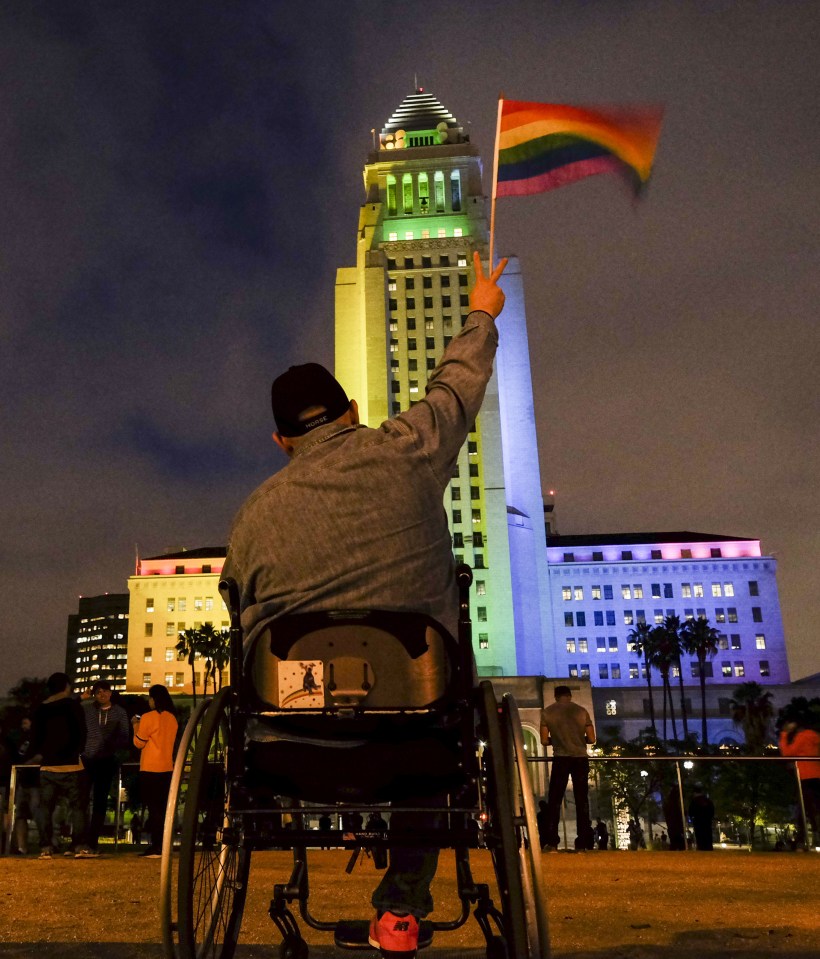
(726, 668)
(407, 193)
(615, 670)
(686, 590)
(600, 644)
(149, 629)
(735, 640)
(626, 554)
(483, 640)
(578, 592)
(728, 589)
(481, 614)
(697, 590)
(170, 606)
(566, 592)
(458, 541)
(633, 671)
(732, 614)
(689, 614)
(720, 615)
(149, 606)
(717, 590)
(584, 671)
(170, 629)
(715, 552)
(598, 617)
(656, 590)
(610, 617)
(629, 619)
(182, 604)
(146, 681)
(596, 592)
(424, 193)
(169, 680)
(569, 557)
(455, 191)
(739, 669)
(179, 570)
(667, 591)
(170, 654)
(637, 592)
(686, 554)
(391, 195)
(607, 592)
(438, 191)
(764, 667)
(723, 641)
(597, 557)
(179, 679)
(626, 592)
(757, 614)
(480, 587)
(580, 619)
(568, 619)
(603, 671)
(753, 588)
(570, 645)
(760, 641)
(572, 669)
(583, 645)
(148, 654)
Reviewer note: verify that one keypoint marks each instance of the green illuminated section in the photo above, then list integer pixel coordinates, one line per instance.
(424, 228)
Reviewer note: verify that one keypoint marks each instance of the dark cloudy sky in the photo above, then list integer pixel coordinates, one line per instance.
(179, 182)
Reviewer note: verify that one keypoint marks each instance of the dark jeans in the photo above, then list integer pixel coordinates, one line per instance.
(564, 767)
(101, 773)
(73, 787)
(405, 886)
(154, 789)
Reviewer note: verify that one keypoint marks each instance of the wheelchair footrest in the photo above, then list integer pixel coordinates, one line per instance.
(353, 934)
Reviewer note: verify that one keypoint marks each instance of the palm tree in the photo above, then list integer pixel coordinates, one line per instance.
(188, 647)
(700, 639)
(639, 638)
(663, 656)
(752, 710)
(672, 626)
(214, 649)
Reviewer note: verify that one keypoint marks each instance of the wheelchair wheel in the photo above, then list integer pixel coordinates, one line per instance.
(176, 800)
(213, 862)
(502, 835)
(529, 846)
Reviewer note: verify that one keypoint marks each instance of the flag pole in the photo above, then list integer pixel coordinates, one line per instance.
(495, 180)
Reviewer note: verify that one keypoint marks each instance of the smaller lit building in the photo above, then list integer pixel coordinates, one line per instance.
(603, 585)
(169, 594)
(97, 641)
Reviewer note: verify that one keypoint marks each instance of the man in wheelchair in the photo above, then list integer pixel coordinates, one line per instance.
(356, 521)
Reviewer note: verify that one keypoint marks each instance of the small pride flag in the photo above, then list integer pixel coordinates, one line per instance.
(541, 146)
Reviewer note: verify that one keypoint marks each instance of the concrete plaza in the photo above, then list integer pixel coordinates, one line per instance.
(627, 905)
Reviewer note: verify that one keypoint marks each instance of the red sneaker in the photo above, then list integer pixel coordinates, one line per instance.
(395, 935)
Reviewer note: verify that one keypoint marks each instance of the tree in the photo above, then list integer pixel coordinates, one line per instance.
(641, 644)
(672, 627)
(752, 710)
(700, 639)
(663, 655)
(188, 647)
(23, 699)
(214, 648)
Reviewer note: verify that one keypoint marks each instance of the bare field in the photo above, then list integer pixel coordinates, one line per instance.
(601, 904)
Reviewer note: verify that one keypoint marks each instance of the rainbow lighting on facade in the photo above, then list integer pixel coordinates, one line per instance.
(168, 594)
(396, 310)
(602, 586)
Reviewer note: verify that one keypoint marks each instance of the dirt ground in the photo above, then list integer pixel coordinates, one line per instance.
(617, 905)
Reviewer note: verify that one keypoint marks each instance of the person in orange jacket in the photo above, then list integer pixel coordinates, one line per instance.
(796, 739)
(154, 735)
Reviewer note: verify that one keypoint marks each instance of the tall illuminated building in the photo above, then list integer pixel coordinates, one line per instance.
(396, 310)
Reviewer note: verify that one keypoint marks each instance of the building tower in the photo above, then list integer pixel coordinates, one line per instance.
(396, 310)
(97, 641)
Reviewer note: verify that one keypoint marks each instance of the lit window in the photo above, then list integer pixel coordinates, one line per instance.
(169, 680)
(170, 629)
(457, 231)
(181, 605)
(732, 614)
(408, 234)
(148, 654)
(760, 641)
(629, 619)
(442, 232)
(392, 237)
(720, 615)
(600, 644)
(611, 707)
(626, 592)
(584, 671)
(170, 654)
(717, 590)
(686, 590)
(735, 640)
(633, 671)
(658, 615)
(764, 667)
(613, 644)
(424, 193)
(462, 261)
(596, 592)
(697, 590)
(583, 646)
(483, 640)
(476, 515)
(146, 680)
(149, 606)
(170, 606)
(656, 591)
(455, 191)
(739, 669)
(480, 587)
(726, 668)
(637, 592)
(728, 589)
(689, 614)
(572, 669)
(579, 592)
(438, 190)
(570, 645)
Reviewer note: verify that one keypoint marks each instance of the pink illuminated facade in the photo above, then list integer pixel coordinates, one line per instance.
(602, 586)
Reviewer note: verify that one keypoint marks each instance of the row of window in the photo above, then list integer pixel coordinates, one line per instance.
(174, 629)
(457, 514)
(171, 654)
(606, 617)
(180, 604)
(440, 233)
(609, 644)
(412, 345)
(446, 300)
(418, 200)
(657, 591)
(171, 680)
(409, 262)
(715, 552)
(728, 669)
(427, 280)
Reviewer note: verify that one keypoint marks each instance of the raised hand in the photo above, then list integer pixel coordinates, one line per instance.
(486, 295)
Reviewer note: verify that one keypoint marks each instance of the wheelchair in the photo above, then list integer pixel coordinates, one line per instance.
(319, 706)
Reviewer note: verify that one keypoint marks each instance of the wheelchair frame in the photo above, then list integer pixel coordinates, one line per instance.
(203, 888)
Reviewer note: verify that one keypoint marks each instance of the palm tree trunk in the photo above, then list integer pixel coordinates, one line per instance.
(682, 700)
(193, 678)
(663, 687)
(704, 739)
(671, 705)
(649, 690)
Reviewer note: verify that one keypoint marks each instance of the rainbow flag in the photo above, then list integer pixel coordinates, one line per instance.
(542, 146)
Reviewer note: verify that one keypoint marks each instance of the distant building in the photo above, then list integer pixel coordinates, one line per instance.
(97, 641)
(169, 594)
(423, 215)
(602, 586)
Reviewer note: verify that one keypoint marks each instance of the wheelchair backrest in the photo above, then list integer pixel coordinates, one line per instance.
(351, 662)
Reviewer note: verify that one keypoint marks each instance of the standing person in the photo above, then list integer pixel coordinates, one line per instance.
(107, 732)
(797, 739)
(58, 739)
(541, 819)
(27, 784)
(702, 812)
(154, 735)
(601, 834)
(356, 520)
(568, 728)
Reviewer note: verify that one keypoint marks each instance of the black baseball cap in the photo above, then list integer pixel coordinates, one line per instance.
(309, 387)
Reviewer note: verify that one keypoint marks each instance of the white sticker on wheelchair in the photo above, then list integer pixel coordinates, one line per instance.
(301, 684)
